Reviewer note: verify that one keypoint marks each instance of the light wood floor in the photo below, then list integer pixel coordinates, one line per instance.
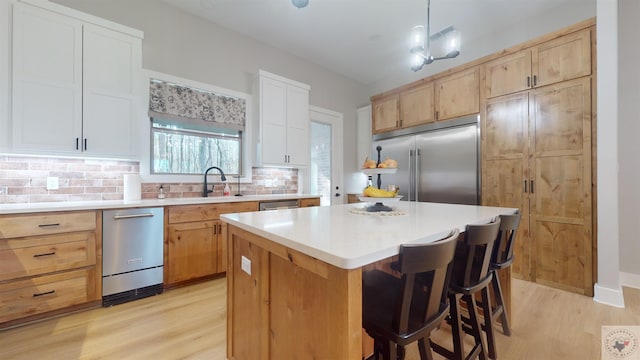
(189, 323)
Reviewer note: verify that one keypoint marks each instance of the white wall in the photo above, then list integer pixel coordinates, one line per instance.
(628, 144)
(5, 80)
(187, 46)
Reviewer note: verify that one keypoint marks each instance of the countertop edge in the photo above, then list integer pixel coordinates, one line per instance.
(11, 209)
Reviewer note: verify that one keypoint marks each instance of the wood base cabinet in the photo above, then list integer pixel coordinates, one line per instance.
(195, 244)
(283, 304)
(537, 157)
(49, 263)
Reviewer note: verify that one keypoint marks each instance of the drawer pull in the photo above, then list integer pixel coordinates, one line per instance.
(48, 225)
(45, 293)
(45, 254)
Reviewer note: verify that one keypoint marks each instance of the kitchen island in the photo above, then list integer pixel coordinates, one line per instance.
(294, 276)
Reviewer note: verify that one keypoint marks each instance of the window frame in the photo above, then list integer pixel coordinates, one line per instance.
(190, 132)
(146, 143)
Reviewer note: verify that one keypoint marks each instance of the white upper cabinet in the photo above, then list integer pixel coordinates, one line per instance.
(47, 80)
(74, 85)
(110, 73)
(284, 121)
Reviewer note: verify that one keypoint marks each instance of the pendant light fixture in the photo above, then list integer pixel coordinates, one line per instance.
(300, 3)
(421, 40)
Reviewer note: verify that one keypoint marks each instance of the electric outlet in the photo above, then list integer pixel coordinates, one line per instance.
(275, 182)
(245, 264)
(268, 183)
(52, 183)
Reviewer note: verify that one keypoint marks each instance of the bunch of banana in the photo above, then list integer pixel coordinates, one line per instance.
(371, 191)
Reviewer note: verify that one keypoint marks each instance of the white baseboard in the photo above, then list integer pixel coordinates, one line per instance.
(630, 280)
(608, 296)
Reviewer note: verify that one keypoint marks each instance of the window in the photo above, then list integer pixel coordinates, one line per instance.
(182, 149)
(194, 127)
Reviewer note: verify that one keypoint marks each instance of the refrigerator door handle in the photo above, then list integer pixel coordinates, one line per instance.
(417, 174)
(410, 175)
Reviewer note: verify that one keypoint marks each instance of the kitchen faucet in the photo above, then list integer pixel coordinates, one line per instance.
(205, 190)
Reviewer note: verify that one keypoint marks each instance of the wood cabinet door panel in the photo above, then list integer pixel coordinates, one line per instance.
(506, 127)
(385, 114)
(565, 58)
(458, 94)
(250, 307)
(559, 188)
(306, 313)
(561, 116)
(193, 251)
(508, 74)
(417, 106)
(563, 258)
(503, 184)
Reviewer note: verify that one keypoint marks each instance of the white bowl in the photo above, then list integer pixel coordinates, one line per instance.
(380, 199)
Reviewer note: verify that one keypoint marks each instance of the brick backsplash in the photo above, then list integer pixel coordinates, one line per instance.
(23, 179)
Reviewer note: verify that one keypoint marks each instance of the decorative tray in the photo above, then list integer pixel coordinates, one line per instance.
(377, 171)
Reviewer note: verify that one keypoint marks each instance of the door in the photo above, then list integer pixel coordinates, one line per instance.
(506, 167)
(447, 165)
(325, 170)
(400, 149)
(51, 79)
(560, 186)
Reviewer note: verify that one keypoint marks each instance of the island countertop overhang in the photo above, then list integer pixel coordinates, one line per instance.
(348, 240)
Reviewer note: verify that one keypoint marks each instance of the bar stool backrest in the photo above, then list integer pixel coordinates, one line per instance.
(503, 248)
(473, 254)
(423, 300)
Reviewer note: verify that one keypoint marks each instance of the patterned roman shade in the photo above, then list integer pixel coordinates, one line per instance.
(195, 106)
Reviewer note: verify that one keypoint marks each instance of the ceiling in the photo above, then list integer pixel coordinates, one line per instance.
(361, 39)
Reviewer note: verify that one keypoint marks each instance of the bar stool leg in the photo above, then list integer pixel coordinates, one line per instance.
(456, 328)
(488, 323)
(497, 294)
(475, 324)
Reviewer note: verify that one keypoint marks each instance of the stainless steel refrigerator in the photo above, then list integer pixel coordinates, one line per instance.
(436, 162)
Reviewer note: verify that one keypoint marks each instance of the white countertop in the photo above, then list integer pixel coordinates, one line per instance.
(119, 204)
(341, 238)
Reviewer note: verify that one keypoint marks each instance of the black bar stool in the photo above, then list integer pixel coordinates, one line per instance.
(470, 275)
(502, 258)
(399, 311)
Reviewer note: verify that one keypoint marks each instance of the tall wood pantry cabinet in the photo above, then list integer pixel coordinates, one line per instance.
(536, 156)
(75, 82)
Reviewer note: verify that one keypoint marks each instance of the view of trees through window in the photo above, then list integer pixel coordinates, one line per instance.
(178, 150)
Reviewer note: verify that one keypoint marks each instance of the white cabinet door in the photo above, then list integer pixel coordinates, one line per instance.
(298, 151)
(273, 112)
(47, 80)
(284, 122)
(110, 70)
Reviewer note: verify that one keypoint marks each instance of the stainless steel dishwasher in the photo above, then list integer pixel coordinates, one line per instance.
(132, 254)
(278, 204)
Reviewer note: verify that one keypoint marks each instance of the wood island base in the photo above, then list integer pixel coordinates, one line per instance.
(289, 305)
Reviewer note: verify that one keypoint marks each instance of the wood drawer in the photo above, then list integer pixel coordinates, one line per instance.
(38, 295)
(13, 226)
(43, 254)
(309, 202)
(187, 213)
